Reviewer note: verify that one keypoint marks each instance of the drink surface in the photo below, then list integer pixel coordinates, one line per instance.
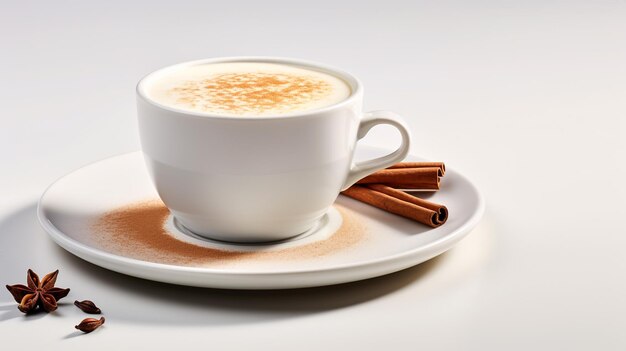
(247, 89)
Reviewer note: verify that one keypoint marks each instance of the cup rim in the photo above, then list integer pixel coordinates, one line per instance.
(352, 81)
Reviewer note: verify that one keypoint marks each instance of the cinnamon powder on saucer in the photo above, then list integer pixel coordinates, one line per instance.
(138, 231)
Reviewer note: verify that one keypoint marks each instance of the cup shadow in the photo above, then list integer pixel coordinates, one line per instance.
(126, 298)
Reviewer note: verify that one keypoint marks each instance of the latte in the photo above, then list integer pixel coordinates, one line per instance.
(247, 89)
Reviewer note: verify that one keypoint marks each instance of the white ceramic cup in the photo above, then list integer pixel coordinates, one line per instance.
(256, 179)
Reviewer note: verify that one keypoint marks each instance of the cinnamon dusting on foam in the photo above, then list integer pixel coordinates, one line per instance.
(246, 88)
(241, 93)
(138, 231)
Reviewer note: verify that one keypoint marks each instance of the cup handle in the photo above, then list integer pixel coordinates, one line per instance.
(370, 119)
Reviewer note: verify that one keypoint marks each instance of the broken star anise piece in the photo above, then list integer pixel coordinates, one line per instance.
(87, 306)
(38, 294)
(88, 325)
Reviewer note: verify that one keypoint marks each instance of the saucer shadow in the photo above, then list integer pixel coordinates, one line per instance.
(127, 298)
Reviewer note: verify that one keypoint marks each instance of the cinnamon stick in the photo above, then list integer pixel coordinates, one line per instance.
(426, 178)
(442, 211)
(439, 165)
(394, 205)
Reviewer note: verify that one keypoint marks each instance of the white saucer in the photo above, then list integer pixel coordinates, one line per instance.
(354, 241)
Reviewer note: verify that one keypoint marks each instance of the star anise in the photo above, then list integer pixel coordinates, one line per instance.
(38, 294)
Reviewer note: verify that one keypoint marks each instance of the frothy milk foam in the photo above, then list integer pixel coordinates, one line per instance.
(247, 89)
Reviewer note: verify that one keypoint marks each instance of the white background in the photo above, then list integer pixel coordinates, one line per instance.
(525, 98)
